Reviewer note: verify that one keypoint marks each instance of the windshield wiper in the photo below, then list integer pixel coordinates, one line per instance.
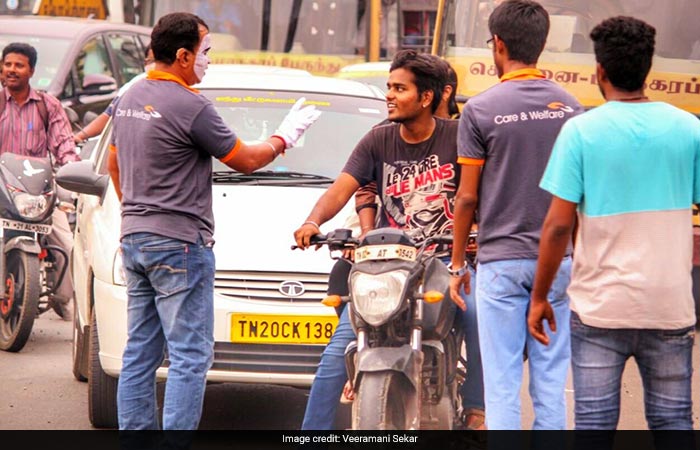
(271, 177)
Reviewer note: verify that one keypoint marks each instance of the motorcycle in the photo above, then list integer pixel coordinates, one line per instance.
(28, 265)
(404, 364)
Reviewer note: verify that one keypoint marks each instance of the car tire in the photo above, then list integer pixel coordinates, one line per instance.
(80, 350)
(102, 389)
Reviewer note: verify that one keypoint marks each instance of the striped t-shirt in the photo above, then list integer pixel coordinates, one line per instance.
(634, 170)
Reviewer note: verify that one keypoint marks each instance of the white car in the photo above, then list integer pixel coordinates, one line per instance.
(374, 73)
(270, 326)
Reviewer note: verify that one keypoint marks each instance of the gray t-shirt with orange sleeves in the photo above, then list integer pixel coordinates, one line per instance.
(165, 135)
(510, 129)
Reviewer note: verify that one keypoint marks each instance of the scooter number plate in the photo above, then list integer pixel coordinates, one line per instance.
(21, 226)
(394, 251)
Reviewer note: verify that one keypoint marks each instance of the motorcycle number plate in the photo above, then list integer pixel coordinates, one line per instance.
(393, 251)
(21, 226)
(281, 329)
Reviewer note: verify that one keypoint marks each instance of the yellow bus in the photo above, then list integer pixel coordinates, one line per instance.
(462, 31)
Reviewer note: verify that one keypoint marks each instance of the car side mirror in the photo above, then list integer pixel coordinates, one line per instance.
(98, 84)
(81, 177)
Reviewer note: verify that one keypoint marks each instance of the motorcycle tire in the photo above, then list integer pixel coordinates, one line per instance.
(80, 348)
(22, 283)
(382, 402)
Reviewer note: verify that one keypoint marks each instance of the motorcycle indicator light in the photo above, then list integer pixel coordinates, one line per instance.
(433, 296)
(332, 300)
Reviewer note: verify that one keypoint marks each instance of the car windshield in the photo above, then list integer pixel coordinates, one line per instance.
(324, 148)
(51, 52)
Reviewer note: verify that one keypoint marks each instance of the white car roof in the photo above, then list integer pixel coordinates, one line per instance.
(377, 66)
(265, 77)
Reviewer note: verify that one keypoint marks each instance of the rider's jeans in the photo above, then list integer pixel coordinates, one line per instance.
(664, 358)
(170, 286)
(331, 374)
(503, 294)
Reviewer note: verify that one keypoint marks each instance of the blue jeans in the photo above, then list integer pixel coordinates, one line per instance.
(170, 286)
(331, 374)
(503, 294)
(664, 358)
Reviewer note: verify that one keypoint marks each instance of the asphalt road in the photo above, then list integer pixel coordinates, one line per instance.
(38, 391)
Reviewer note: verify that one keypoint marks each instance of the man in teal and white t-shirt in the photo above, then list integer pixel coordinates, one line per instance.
(632, 169)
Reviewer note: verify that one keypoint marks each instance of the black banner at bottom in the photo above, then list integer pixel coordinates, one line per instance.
(302, 440)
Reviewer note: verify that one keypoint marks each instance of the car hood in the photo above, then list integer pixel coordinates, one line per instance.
(255, 228)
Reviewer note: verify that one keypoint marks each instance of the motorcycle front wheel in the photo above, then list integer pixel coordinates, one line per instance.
(20, 305)
(383, 402)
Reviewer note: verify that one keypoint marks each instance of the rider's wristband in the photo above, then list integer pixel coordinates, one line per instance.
(458, 273)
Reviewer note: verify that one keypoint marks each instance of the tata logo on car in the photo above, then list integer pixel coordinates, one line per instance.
(292, 288)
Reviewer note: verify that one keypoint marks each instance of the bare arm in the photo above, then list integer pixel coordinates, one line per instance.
(330, 203)
(249, 158)
(92, 129)
(556, 235)
(465, 204)
(113, 168)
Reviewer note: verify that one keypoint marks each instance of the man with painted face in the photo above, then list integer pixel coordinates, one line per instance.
(165, 134)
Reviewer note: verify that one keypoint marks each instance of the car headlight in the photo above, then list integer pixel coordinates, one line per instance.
(31, 206)
(376, 297)
(118, 273)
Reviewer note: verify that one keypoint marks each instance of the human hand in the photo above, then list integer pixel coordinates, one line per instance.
(540, 309)
(296, 122)
(303, 234)
(456, 284)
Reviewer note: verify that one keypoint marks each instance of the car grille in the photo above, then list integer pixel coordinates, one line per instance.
(266, 285)
(269, 358)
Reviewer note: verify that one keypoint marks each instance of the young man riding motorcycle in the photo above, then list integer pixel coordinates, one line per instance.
(24, 131)
(413, 154)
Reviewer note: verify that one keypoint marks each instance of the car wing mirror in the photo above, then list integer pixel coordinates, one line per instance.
(98, 84)
(81, 177)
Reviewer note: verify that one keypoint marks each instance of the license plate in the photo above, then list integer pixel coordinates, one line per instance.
(394, 251)
(281, 329)
(21, 226)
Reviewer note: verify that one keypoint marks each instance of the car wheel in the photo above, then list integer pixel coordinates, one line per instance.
(102, 389)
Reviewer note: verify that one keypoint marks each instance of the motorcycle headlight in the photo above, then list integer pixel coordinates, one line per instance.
(30, 206)
(376, 297)
(118, 273)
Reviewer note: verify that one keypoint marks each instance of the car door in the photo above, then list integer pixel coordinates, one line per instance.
(127, 55)
(92, 83)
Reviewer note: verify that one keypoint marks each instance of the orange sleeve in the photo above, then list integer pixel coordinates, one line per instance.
(112, 148)
(229, 156)
(470, 161)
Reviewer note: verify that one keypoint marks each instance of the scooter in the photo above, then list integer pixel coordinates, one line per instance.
(404, 364)
(29, 268)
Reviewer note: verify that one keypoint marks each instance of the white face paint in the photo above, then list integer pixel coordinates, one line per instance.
(202, 61)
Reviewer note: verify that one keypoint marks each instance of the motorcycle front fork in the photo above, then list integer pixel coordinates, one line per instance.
(2, 264)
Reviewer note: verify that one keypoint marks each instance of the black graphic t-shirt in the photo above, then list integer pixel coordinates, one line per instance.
(416, 182)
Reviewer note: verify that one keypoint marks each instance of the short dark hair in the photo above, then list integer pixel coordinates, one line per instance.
(428, 75)
(624, 46)
(23, 49)
(523, 25)
(173, 32)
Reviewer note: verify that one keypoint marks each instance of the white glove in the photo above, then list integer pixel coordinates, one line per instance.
(296, 122)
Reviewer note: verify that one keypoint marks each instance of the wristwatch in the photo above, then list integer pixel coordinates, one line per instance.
(459, 273)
